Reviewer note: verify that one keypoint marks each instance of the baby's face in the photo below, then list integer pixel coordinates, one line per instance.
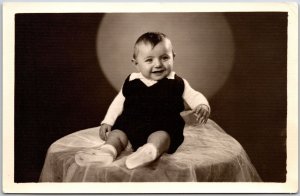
(155, 63)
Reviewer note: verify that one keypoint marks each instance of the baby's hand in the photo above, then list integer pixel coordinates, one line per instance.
(105, 129)
(202, 113)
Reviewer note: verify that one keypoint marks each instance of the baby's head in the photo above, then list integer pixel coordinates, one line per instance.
(153, 55)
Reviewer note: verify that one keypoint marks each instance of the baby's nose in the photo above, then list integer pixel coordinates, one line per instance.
(158, 63)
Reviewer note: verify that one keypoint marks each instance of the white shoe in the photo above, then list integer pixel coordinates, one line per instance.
(101, 156)
(144, 155)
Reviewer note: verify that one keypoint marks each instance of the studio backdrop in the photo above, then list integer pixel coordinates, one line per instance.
(69, 67)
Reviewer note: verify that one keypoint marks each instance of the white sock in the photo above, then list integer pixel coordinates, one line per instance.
(144, 155)
(111, 149)
(103, 155)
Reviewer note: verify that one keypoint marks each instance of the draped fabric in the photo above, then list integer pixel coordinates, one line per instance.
(207, 154)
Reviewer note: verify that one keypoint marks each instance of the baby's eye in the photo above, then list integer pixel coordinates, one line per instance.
(149, 60)
(165, 58)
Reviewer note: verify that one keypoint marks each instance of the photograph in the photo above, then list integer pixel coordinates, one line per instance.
(150, 98)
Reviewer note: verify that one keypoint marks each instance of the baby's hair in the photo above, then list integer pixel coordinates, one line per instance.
(152, 38)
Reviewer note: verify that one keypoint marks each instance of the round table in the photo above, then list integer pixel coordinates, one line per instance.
(208, 154)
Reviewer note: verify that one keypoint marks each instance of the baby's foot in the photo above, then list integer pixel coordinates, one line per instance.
(102, 156)
(144, 155)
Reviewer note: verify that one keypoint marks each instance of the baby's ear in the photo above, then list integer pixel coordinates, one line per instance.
(174, 54)
(134, 62)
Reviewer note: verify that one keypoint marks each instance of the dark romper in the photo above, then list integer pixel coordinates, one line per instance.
(149, 109)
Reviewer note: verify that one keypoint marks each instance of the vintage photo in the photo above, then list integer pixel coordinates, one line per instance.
(109, 95)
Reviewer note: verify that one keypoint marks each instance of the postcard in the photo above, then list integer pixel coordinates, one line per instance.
(150, 97)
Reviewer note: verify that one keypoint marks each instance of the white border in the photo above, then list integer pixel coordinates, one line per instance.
(10, 9)
(105, 7)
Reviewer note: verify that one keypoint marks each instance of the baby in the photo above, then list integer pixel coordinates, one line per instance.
(146, 112)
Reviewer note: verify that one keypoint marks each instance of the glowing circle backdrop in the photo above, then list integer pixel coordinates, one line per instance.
(203, 44)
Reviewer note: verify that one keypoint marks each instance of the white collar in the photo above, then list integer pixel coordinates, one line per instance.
(139, 75)
(147, 81)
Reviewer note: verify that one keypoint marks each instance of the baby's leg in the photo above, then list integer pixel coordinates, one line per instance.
(118, 140)
(158, 142)
(161, 140)
(105, 154)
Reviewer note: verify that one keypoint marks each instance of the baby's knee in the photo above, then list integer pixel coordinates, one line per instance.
(120, 135)
(162, 135)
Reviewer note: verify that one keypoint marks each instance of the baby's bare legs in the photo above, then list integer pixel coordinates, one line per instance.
(161, 140)
(158, 142)
(117, 139)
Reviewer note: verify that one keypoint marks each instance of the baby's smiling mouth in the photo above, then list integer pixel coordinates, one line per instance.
(158, 71)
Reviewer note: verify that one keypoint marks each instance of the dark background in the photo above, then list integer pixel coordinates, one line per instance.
(60, 89)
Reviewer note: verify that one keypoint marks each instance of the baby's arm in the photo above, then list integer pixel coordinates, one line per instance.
(114, 110)
(197, 102)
